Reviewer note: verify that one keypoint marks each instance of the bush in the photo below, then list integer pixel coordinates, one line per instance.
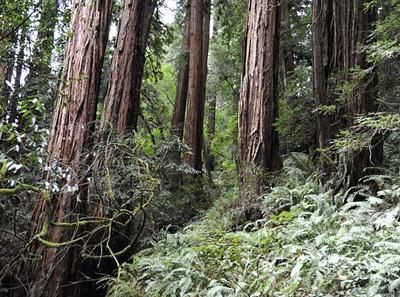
(310, 247)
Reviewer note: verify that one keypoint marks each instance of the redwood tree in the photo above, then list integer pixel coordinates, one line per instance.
(199, 39)
(286, 33)
(323, 68)
(340, 30)
(178, 117)
(258, 105)
(121, 107)
(57, 272)
(362, 98)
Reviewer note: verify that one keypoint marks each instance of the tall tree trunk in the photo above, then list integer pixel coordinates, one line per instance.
(193, 132)
(206, 41)
(362, 99)
(340, 29)
(7, 71)
(38, 80)
(178, 117)
(3, 74)
(121, 107)
(13, 106)
(323, 42)
(209, 160)
(57, 273)
(287, 51)
(258, 105)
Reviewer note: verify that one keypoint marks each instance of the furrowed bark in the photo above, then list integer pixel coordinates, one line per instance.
(195, 112)
(121, 107)
(178, 117)
(340, 30)
(58, 271)
(258, 105)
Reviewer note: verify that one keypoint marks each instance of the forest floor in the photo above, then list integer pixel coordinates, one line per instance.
(305, 245)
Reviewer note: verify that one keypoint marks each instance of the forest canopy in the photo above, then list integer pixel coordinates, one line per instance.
(199, 148)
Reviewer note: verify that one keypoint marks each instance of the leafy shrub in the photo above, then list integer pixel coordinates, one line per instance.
(312, 248)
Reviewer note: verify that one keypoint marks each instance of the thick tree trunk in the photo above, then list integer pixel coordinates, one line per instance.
(258, 105)
(362, 99)
(121, 107)
(323, 41)
(340, 29)
(178, 117)
(57, 272)
(197, 73)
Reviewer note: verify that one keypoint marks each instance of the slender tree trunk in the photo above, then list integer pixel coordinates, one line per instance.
(57, 273)
(13, 106)
(209, 160)
(178, 117)
(287, 51)
(121, 107)
(206, 41)
(3, 74)
(206, 45)
(197, 73)
(258, 105)
(8, 70)
(38, 80)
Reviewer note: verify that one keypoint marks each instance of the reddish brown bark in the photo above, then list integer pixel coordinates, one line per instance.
(258, 105)
(121, 107)
(206, 40)
(362, 99)
(287, 51)
(178, 117)
(340, 30)
(57, 272)
(322, 65)
(197, 74)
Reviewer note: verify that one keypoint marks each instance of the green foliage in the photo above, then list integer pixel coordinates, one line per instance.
(295, 112)
(384, 51)
(160, 36)
(365, 128)
(22, 163)
(26, 142)
(313, 248)
(304, 244)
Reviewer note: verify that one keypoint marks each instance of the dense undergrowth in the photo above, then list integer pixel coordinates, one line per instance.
(306, 245)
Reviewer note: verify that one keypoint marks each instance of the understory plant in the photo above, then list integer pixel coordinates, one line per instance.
(305, 245)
